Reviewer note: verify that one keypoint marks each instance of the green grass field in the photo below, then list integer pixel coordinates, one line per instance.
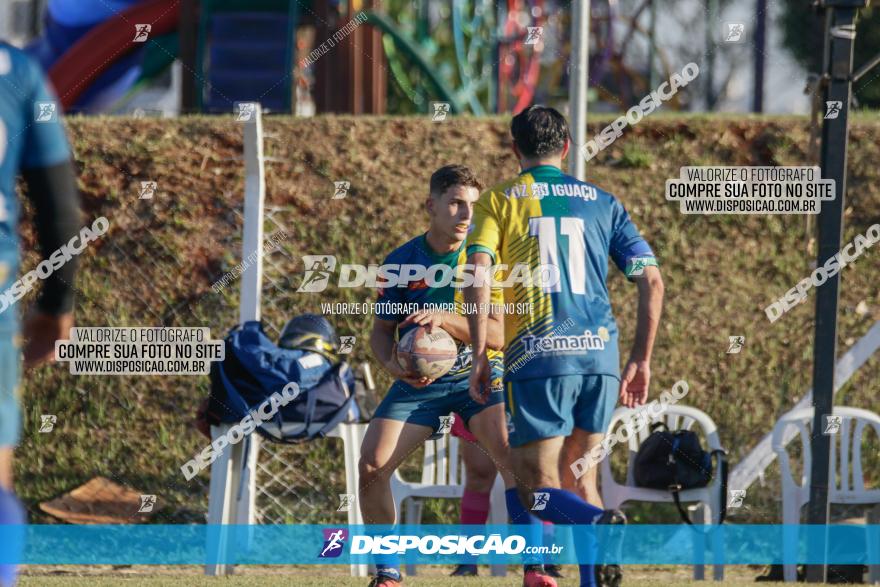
(334, 576)
(316, 582)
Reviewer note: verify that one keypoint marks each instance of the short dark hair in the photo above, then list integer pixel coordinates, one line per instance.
(453, 175)
(539, 131)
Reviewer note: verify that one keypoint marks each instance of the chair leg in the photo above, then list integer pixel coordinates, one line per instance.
(412, 514)
(874, 538)
(712, 515)
(790, 521)
(352, 435)
(246, 492)
(699, 542)
(714, 518)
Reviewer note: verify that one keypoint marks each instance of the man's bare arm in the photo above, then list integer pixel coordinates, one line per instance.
(382, 343)
(650, 286)
(477, 296)
(457, 326)
(636, 377)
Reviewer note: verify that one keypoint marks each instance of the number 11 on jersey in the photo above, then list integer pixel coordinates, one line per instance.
(544, 228)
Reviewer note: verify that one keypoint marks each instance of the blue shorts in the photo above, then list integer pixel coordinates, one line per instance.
(10, 413)
(427, 405)
(554, 406)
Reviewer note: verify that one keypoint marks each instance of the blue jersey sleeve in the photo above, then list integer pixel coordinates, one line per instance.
(626, 241)
(45, 142)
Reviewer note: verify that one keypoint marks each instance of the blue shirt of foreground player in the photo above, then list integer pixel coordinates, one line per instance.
(31, 136)
(418, 294)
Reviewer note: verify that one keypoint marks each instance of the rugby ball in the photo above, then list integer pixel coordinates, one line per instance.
(429, 355)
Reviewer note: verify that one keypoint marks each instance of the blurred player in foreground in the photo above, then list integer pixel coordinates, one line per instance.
(32, 142)
(480, 472)
(561, 364)
(411, 410)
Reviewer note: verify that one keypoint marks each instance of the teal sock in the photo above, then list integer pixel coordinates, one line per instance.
(564, 507)
(520, 516)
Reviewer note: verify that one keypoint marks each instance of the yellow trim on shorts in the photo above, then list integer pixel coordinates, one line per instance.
(510, 397)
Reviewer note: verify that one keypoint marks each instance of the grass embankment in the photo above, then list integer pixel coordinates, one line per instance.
(160, 257)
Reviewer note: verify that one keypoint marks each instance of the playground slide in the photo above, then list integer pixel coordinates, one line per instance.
(105, 44)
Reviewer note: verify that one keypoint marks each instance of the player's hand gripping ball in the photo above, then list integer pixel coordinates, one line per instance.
(429, 355)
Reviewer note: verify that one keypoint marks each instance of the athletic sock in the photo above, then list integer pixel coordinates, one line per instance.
(474, 507)
(515, 511)
(388, 565)
(474, 511)
(520, 516)
(11, 514)
(564, 507)
(548, 531)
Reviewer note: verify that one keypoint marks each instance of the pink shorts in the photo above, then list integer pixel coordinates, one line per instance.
(460, 430)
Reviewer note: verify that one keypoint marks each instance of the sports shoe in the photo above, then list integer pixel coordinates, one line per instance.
(554, 571)
(611, 575)
(536, 577)
(608, 575)
(385, 581)
(464, 571)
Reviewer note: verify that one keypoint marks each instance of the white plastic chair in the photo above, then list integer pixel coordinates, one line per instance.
(233, 487)
(846, 479)
(677, 417)
(442, 477)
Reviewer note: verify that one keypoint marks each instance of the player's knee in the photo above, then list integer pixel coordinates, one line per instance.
(480, 481)
(370, 468)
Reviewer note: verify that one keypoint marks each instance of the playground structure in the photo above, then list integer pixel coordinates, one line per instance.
(480, 57)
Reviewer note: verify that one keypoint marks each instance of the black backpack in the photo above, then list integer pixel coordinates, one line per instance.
(676, 460)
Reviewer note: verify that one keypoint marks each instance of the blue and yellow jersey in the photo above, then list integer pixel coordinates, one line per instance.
(546, 218)
(31, 136)
(419, 294)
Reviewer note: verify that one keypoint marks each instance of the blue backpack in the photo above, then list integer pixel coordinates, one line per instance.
(255, 367)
